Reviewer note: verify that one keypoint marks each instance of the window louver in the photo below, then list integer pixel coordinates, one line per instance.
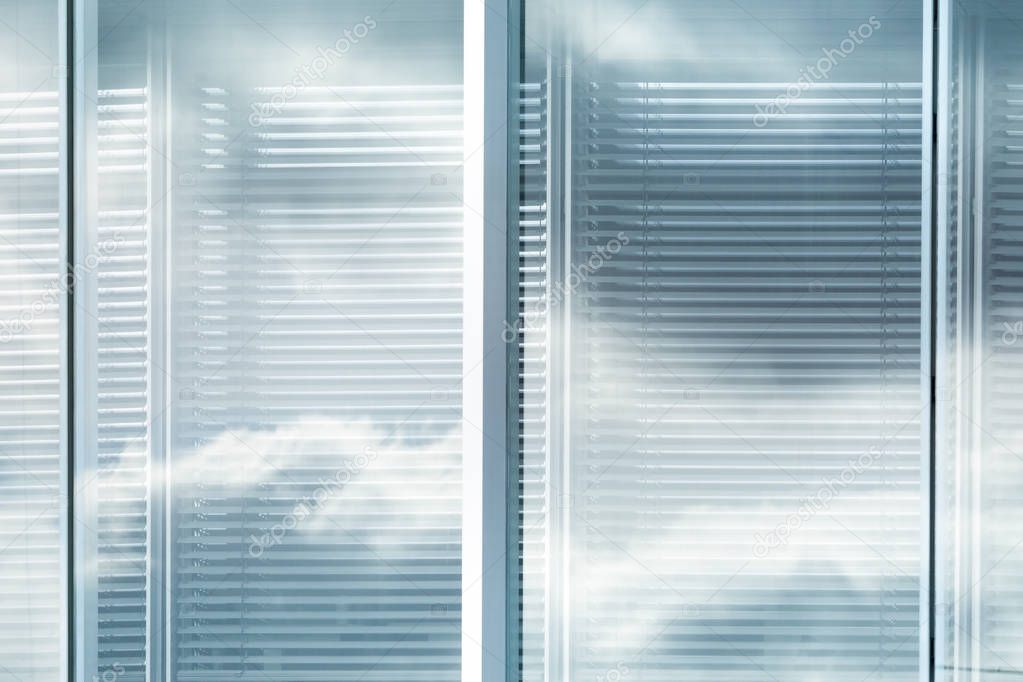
(1001, 310)
(533, 404)
(719, 323)
(317, 364)
(981, 462)
(123, 397)
(745, 326)
(31, 299)
(980, 348)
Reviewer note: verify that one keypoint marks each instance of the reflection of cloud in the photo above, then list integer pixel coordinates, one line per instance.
(692, 602)
(380, 474)
(375, 567)
(693, 436)
(401, 478)
(627, 30)
(360, 582)
(979, 482)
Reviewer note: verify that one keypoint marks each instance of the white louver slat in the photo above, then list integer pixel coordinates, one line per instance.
(745, 328)
(317, 362)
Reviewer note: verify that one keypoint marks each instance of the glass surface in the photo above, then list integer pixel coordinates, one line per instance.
(979, 495)
(721, 323)
(273, 340)
(32, 294)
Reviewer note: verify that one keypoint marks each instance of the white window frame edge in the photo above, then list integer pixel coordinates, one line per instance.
(929, 260)
(557, 568)
(160, 183)
(65, 49)
(940, 60)
(83, 21)
(489, 612)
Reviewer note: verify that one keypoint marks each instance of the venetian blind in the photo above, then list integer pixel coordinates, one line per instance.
(317, 363)
(995, 422)
(31, 298)
(744, 439)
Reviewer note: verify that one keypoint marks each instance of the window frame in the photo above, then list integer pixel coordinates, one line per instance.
(491, 34)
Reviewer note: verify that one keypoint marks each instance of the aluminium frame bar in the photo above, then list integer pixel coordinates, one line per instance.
(489, 641)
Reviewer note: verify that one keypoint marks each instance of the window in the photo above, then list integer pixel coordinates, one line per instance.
(979, 438)
(436, 340)
(730, 455)
(33, 336)
(270, 400)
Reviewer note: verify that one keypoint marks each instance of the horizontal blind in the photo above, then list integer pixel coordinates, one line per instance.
(317, 364)
(1000, 436)
(532, 331)
(119, 263)
(746, 325)
(31, 296)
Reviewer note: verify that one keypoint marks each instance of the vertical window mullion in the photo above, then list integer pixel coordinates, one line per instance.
(83, 328)
(928, 314)
(66, 42)
(485, 352)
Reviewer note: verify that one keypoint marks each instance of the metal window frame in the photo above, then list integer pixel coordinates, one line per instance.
(65, 201)
(82, 329)
(928, 338)
(489, 648)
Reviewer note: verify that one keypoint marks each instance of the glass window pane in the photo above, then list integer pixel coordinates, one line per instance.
(980, 440)
(31, 342)
(722, 366)
(275, 326)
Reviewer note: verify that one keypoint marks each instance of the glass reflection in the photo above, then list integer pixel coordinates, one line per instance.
(32, 293)
(275, 324)
(725, 481)
(980, 467)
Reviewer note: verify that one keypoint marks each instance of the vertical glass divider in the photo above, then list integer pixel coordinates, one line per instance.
(941, 307)
(65, 98)
(83, 328)
(485, 356)
(558, 377)
(928, 240)
(513, 407)
(160, 190)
